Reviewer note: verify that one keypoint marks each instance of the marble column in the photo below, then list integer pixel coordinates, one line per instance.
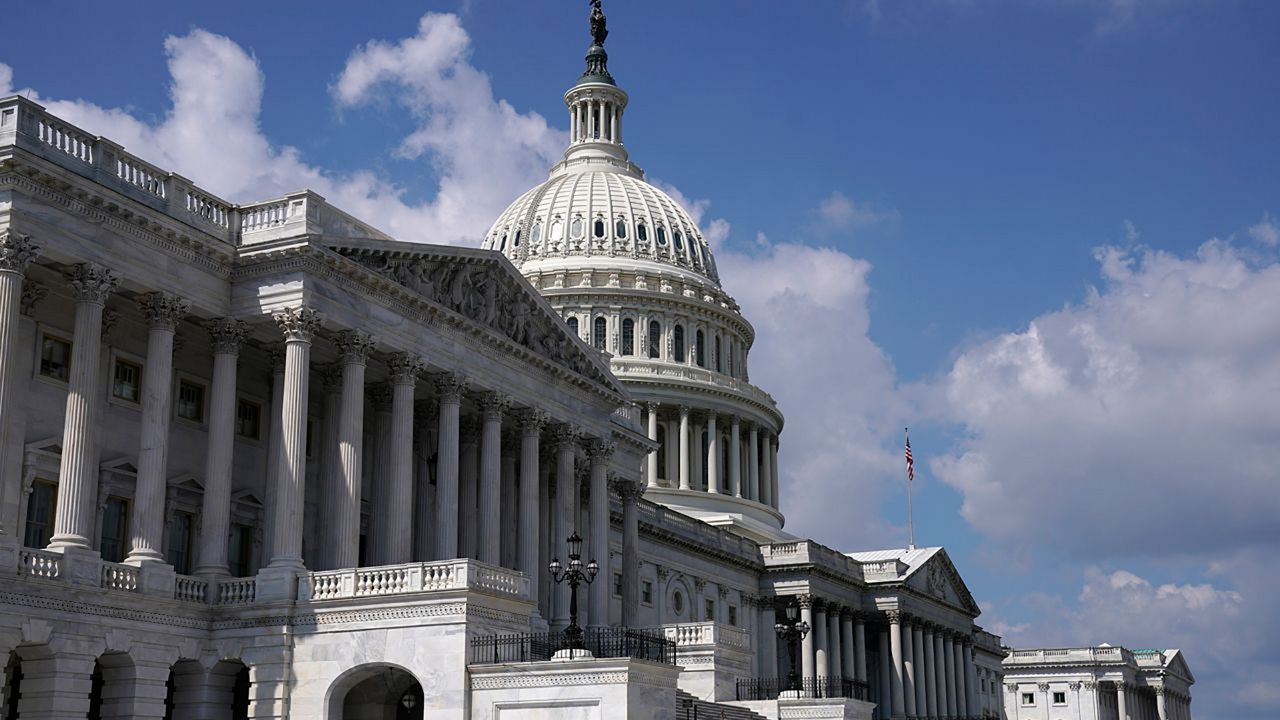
(684, 448)
(773, 471)
(566, 442)
(921, 677)
(528, 560)
(510, 526)
(859, 647)
(275, 430)
(970, 678)
(16, 254)
(405, 368)
(846, 643)
(835, 651)
(354, 347)
(753, 462)
(424, 496)
(885, 676)
(940, 673)
(735, 456)
(766, 475)
(630, 492)
(651, 465)
(821, 668)
(78, 471)
(377, 535)
(713, 456)
(930, 675)
(600, 454)
(908, 669)
(896, 658)
(768, 639)
(489, 529)
(329, 476)
(450, 387)
(957, 653)
(469, 487)
(949, 673)
(298, 325)
(226, 334)
(1122, 700)
(807, 650)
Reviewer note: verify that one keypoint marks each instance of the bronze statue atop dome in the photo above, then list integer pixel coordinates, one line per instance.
(599, 27)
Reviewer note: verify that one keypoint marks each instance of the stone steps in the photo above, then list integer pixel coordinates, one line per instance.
(689, 707)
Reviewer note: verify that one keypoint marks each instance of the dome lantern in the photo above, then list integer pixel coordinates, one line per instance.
(596, 102)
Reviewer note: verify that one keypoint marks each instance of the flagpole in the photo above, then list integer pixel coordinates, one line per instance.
(911, 533)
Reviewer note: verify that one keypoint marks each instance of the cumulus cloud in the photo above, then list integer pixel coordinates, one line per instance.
(1139, 422)
(1265, 231)
(6, 79)
(839, 212)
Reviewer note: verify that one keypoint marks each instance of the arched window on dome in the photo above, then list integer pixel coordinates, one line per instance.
(573, 324)
(516, 241)
(662, 237)
(719, 363)
(628, 337)
(557, 230)
(699, 356)
(697, 251)
(502, 243)
(642, 232)
(536, 233)
(575, 229)
(655, 339)
(598, 229)
(679, 241)
(620, 229)
(679, 343)
(599, 332)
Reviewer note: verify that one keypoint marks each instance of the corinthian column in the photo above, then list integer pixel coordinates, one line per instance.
(566, 442)
(909, 669)
(807, 653)
(735, 456)
(16, 254)
(490, 505)
(215, 512)
(684, 448)
(713, 454)
(468, 487)
(450, 387)
(630, 492)
(78, 472)
(377, 537)
(921, 669)
(424, 498)
(527, 561)
(859, 647)
(298, 325)
(753, 463)
(651, 466)
(354, 347)
(766, 472)
(163, 311)
(896, 669)
(773, 472)
(399, 520)
(949, 673)
(600, 452)
(930, 675)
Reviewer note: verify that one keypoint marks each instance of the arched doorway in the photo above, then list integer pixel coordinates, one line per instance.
(376, 692)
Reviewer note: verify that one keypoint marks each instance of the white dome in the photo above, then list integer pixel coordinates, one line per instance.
(601, 213)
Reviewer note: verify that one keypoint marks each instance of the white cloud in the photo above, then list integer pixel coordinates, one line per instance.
(840, 212)
(1131, 233)
(1139, 422)
(6, 80)
(1265, 231)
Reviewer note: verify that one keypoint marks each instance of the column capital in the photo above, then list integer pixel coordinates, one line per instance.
(17, 251)
(765, 602)
(1158, 689)
(380, 395)
(469, 430)
(163, 310)
(109, 319)
(92, 283)
(1088, 685)
(1042, 687)
(354, 346)
(600, 450)
(1120, 684)
(424, 412)
(405, 368)
(298, 324)
(451, 386)
(565, 434)
(652, 406)
(494, 404)
(532, 420)
(32, 293)
(735, 420)
(275, 358)
(628, 491)
(1074, 685)
(806, 600)
(684, 411)
(893, 616)
(1011, 687)
(226, 334)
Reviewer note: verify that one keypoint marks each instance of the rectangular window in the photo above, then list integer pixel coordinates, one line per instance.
(1028, 698)
(180, 532)
(126, 380)
(40, 514)
(733, 615)
(1059, 698)
(190, 401)
(709, 610)
(55, 358)
(617, 584)
(115, 528)
(240, 550)
(248, 419)
(646, 592)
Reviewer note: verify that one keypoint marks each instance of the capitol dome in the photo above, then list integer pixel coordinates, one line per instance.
(630, 272)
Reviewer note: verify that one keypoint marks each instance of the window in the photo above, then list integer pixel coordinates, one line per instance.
(642, 232)
(646, 592)
(126, 380)
(240, 550)
(573, 324)
(1028, 698)
(679, 343)
(719, 365)
(984, 684)
(599, 331)
(620, 229)
(698, 355)
(190, 401)
(575, 230)
(55, 358)
(180, 531)
(248, 419)
(115, 526)
(677, 602)
(679, 240)
(617, 584)
(709, 610)
(662, 236)
(655, 338)
(536, 233)
(557, 231)
(516, 241)
(40, 514)
(628, 337)
(598, 228)
(733, 615)
(502, 244)
(1059, 698)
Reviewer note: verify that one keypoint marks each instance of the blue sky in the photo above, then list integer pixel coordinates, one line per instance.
(1042, 232)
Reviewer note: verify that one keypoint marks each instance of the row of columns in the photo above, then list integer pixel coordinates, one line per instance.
(593, 119)
(752, 468)
(1130, 703)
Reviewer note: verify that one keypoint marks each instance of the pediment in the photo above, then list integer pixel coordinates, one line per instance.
(1178, 666)
(484, 288)
(50, 446)
(122, 465)
(939, 579)
(246, 497)
(186, 481)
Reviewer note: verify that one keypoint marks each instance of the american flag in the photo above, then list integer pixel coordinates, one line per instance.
(911, 465)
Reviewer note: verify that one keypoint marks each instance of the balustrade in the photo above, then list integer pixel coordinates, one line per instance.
(388, 580)
(39, 563)
(116, 576)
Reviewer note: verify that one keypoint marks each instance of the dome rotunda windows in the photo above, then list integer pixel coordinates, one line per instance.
(642, 232)
(575, 228)
(598, 228)
(679, 240)
(536, 233)
(662, 236)
(620, 229)
(515, 242)
(557, 230)
(502, 243)
(599, 333)
(679, 343)
(655, 339)
(628, 337)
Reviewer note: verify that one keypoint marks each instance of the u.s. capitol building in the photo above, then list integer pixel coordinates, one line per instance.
(265, 461)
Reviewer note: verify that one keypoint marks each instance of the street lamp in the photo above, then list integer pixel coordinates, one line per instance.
(575, 574)
(791, 630)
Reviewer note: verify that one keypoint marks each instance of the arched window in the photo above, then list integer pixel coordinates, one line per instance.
(655, 339)
(516, 241)
(502, 244)
(536, 233)
(628, 337)
(573, 324)
(679, 240)
(598, 230)
(679, 343)
(575, 230)
(719, 364)
(620, 229)
(698, 355)
(662, 236)
(642, 232)
(598, 332)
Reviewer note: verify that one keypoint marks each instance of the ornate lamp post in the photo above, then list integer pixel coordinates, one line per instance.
(575, 575)
(791, 630)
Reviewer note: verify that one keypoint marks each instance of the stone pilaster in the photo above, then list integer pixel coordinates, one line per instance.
(949, 673)
(450, 388)
(600, 454)
(424, 496)
(493, 405)
(405, 368)
(908, 668)
(354, 347)
(859, 647)
(377, 531)
(226, 335)
(922, 676)
(468, 486)
(510, 526)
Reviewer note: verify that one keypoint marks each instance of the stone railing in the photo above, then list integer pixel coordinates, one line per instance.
(237, 591)
(391, 580)
(628, 416)
(116, 576)
(694, 531)
(707, 634)
(691, 373)
(214, 591)
(988, 640)
(1058, 656)
(883, 569)
(39, 563)
(807, 552)
(191, 589)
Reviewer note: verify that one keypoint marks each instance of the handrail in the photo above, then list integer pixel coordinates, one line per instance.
(599, 642)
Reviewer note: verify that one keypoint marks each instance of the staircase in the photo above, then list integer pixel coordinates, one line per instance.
(689, 707)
